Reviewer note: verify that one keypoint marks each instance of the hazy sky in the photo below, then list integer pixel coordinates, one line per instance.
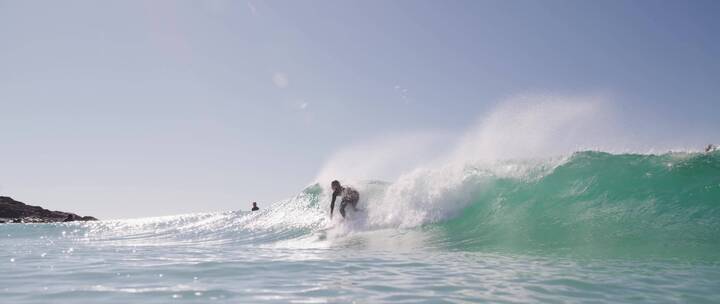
(139, 108)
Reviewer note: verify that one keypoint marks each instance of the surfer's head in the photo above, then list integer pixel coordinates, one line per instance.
(335, 185)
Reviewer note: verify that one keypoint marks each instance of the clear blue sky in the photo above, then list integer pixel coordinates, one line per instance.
(139, 108)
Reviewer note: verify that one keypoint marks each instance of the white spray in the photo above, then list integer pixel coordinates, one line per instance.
(525, 137)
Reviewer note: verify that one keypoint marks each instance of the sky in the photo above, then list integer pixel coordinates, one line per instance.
(122, 109)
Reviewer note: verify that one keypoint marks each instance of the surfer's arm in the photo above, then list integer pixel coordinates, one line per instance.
(332, 203)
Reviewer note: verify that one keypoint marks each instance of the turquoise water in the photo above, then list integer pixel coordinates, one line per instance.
(591, 227)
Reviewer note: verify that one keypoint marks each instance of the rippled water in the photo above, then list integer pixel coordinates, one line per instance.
(381, 266)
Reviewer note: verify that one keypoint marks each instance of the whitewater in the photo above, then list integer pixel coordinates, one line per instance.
(528, 206)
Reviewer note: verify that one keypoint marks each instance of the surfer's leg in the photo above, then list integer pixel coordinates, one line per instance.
(354, 200)
(342, 208)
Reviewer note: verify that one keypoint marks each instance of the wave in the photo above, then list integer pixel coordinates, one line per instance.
(590, 203)
(600, 204)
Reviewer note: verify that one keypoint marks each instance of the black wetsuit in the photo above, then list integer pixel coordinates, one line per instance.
(255, 208)
(349, 196)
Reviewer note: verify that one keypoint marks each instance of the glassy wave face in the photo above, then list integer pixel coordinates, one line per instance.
(593, 225)
(600, 204)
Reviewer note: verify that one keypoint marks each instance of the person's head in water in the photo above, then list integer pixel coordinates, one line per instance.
(335, 185)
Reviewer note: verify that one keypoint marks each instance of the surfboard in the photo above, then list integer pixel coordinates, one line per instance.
(322, 233)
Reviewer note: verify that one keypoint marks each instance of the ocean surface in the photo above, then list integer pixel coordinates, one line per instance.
(590, 227)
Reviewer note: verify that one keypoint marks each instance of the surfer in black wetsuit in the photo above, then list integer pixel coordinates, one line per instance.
(349, 196)
(255, 207)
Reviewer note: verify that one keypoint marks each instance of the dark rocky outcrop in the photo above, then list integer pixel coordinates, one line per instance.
(12, 211)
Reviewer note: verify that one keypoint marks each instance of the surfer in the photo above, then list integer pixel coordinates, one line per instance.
(255, 207)
(710, 148)
(349, 196)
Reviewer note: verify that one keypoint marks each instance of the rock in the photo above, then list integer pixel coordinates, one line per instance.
(12, 211)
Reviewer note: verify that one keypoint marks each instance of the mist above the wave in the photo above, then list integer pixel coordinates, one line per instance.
(384, 158)
(537, 126)
(434, 175)
(520, 127)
